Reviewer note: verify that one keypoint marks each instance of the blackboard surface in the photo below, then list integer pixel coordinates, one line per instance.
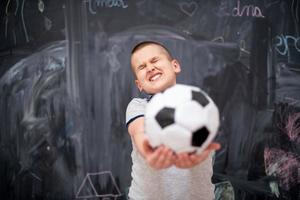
(66, 81)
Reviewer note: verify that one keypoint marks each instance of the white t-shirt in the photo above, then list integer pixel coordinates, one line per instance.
(167, 184)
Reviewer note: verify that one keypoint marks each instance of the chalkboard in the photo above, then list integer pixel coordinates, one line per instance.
(62, 104)
(26, 26)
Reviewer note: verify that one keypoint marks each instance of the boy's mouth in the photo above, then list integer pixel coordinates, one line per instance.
(154, 77)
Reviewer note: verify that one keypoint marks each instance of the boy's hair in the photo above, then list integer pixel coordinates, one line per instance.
(145, 43)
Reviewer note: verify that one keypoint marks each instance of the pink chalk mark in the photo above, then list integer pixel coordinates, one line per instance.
(283, 165)
(292, 127)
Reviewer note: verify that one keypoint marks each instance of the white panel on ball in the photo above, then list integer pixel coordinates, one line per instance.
(190, 115)
(153, 132)
(213, 121)
(176, 96)
(157, 103)
(177, 138)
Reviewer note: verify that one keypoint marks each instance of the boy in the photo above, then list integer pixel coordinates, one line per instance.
(160, 174)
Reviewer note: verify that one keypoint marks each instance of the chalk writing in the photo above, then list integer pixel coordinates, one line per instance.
(88, 184)
(246, 10)
(106, 4)
(239, 11)
(284, 42)
(189, 8)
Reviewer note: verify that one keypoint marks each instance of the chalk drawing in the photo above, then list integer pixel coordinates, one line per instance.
(47, 23)
(293, 128)
(222, 11)
(23, 22)
(6, 18)
(36, 177)
(243, 47)
(87, 182)
(6, 23)
(17, 6)
(218, 39)
(283, 165)
(112, 58)
(187, 32)
(41, 6)
(188, 8)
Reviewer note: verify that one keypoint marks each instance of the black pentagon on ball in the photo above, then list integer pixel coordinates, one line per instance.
(165, 117)
(200, 98)
(199, 137)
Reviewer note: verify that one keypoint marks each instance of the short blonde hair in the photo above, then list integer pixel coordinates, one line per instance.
(146, 43)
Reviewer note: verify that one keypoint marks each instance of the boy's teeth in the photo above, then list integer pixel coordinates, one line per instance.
(155, 77)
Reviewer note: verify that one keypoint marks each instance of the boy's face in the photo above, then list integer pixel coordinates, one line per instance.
(154, 69)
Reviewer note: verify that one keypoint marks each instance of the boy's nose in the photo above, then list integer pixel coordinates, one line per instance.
(151, 68)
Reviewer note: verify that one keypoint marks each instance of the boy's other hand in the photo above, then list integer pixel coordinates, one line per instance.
(158, 158)
(188, 160)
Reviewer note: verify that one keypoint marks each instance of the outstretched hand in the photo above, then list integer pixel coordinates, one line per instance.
(188, 160)
(163, 157)
(158, 158)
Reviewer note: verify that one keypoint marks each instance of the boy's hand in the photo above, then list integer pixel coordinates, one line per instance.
(188, 160)
(158, 158)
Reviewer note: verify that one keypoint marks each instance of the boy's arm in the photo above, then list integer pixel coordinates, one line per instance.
(158, 158)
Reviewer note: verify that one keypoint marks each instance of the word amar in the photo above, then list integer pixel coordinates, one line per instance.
(105, 3)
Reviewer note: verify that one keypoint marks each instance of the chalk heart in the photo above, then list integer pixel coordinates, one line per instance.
(189, 8)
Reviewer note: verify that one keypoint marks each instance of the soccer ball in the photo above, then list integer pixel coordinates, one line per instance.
(183, 117)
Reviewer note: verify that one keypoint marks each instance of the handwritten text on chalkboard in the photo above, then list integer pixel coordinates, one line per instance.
(240, 11)
(93, 4)
(285, 42)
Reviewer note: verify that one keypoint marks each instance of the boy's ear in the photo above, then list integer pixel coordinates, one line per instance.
(176, 66)
(138, 85)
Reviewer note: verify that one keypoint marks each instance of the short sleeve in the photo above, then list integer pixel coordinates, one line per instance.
(135, 109)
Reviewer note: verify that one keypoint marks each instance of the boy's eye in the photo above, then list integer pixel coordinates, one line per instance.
(154, 60)
(141, 67)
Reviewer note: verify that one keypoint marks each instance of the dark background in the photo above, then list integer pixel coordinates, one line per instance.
(66, 81)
